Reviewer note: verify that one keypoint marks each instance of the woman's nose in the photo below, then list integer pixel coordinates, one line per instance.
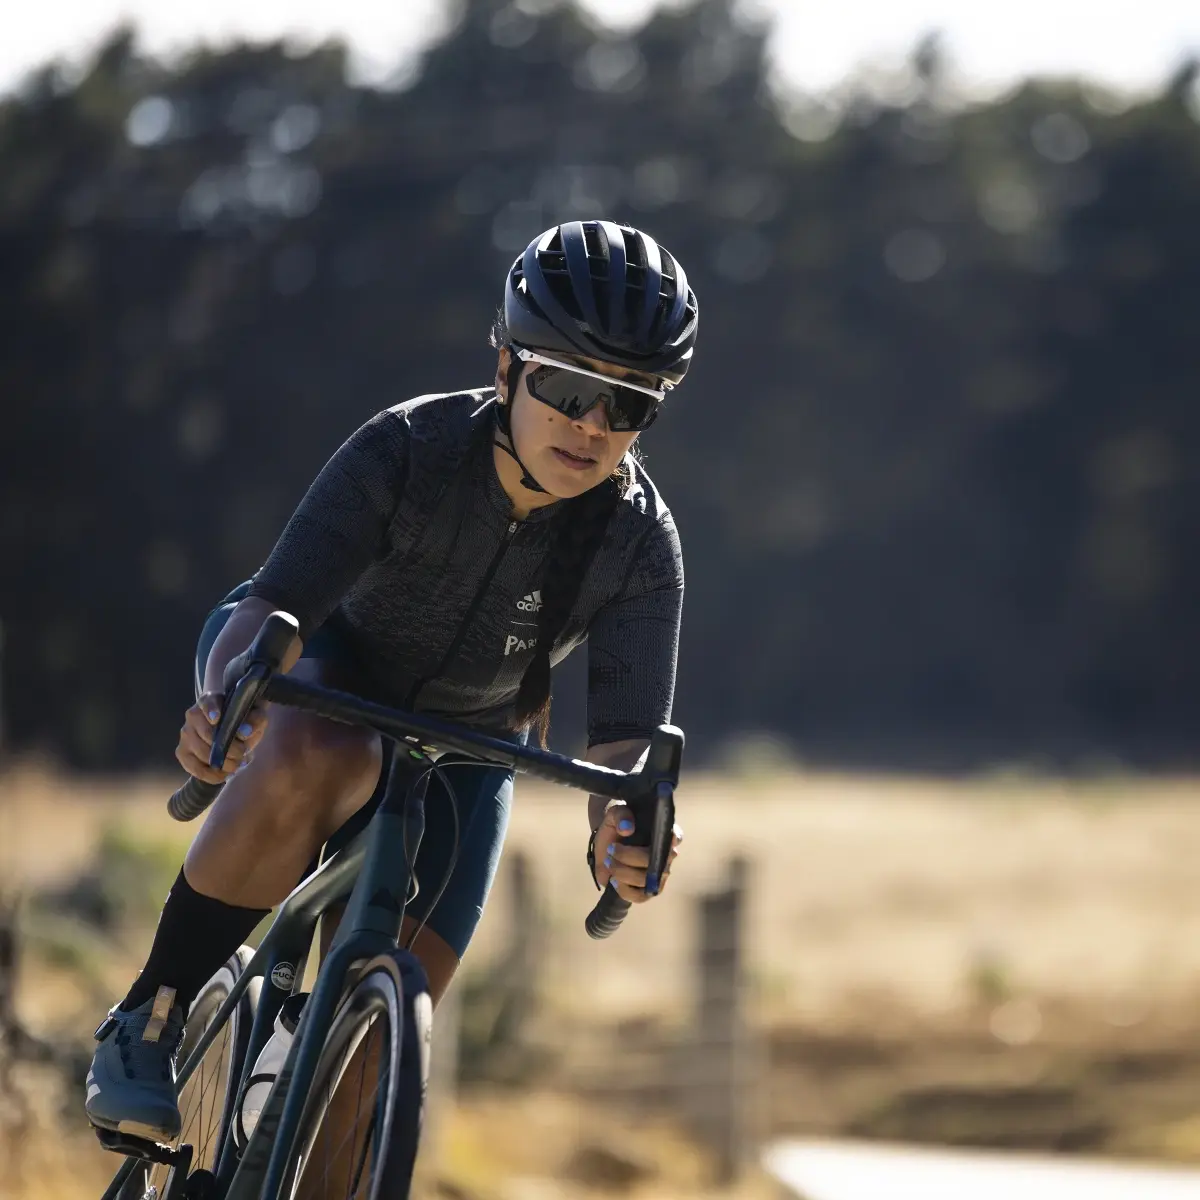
(594, 421)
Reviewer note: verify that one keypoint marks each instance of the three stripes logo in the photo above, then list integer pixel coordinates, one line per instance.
(529, 606)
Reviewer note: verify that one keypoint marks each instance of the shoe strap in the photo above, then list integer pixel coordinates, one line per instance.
(164, 998)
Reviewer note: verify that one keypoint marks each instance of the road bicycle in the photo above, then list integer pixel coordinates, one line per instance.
(343, 1116)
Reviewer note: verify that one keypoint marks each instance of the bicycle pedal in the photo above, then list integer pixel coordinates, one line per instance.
(143, 1148)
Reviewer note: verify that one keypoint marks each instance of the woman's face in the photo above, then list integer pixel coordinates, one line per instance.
(567, 456)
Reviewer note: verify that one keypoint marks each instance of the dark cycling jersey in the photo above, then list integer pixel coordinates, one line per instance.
(406, 543)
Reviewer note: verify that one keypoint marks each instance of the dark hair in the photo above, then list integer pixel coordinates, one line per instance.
(498, 338)
(576, 534)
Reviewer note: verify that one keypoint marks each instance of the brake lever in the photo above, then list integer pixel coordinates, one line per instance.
(246, 678)
(654, 817)
(661, 829)
(654, 814)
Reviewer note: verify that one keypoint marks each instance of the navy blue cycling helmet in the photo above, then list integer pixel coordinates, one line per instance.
(605, 291)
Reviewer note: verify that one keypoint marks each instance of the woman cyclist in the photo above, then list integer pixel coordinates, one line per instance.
(447, 555)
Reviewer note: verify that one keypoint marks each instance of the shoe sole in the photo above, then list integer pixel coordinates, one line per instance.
(142, 1130)
(138, 1129)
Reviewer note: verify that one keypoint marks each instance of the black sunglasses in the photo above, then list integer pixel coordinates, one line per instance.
(629, 408)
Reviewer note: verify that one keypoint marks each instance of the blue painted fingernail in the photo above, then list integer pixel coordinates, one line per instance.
(214, 714)
(626, 825)
(245, 729)
(608, 859)
(613, 884)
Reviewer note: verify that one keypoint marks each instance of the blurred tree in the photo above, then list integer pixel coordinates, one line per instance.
(935, 469)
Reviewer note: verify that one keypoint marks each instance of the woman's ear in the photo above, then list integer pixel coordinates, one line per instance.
(502, 361)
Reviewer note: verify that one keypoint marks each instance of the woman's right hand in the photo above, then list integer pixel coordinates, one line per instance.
(196, 737)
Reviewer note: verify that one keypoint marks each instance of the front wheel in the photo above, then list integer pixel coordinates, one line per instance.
(362, 1121)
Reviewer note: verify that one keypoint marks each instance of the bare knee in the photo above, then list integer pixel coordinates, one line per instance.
(308, 770)
(436, 956)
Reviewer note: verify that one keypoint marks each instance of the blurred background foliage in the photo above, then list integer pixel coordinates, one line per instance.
(935, 470)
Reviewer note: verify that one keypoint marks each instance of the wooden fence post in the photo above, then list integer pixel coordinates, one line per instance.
(14, 1113)
(519, 978)
(719, 1067)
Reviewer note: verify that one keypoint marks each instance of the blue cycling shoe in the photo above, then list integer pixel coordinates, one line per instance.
(131, 1082)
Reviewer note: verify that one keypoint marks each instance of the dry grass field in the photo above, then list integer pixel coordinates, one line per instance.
(1005, 961)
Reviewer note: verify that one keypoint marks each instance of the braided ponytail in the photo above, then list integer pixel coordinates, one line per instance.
(578, 531)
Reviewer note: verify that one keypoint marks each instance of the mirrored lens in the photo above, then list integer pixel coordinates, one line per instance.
(573, 395)
(629, 410)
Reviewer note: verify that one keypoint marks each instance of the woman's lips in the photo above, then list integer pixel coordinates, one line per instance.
(576, 462)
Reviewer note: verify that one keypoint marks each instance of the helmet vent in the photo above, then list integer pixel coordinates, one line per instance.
(560, 286)
(605, 290)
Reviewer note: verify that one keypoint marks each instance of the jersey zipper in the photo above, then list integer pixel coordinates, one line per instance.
(461, 633)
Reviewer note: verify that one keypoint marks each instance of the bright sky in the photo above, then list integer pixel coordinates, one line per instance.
(816, 44)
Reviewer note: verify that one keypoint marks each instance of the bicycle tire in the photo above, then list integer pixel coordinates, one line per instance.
(205, 1087)
(389, 1003)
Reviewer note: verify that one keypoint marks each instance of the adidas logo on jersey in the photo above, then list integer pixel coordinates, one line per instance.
(531, 603)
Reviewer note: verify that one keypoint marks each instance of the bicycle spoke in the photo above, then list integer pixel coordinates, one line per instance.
(199, 1109)
(193, 1098)
(200, 1122)
(334, 1082)
(207, 1088)
(349, 1141)
(220, 1078)
(157, 1174)
(362, 1161)
(339, 1128)
(205, 1125)
(362, 1078)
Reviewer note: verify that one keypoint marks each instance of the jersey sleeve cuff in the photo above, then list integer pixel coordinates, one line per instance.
(276, 596)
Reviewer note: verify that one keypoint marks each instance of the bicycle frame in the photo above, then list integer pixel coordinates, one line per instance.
(373, 871)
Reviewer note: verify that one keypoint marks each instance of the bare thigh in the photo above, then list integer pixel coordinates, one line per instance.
(307, 776)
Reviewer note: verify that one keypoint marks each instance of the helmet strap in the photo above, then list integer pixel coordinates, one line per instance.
(510, 448)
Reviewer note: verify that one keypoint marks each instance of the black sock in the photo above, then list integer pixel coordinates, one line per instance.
(195, 936)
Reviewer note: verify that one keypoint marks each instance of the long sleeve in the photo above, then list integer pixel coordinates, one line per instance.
(633, 643)
(340, 526)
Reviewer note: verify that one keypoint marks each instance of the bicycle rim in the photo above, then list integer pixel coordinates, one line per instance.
(358, 1133)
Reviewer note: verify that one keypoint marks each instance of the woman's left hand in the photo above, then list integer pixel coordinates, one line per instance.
(623, 865)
